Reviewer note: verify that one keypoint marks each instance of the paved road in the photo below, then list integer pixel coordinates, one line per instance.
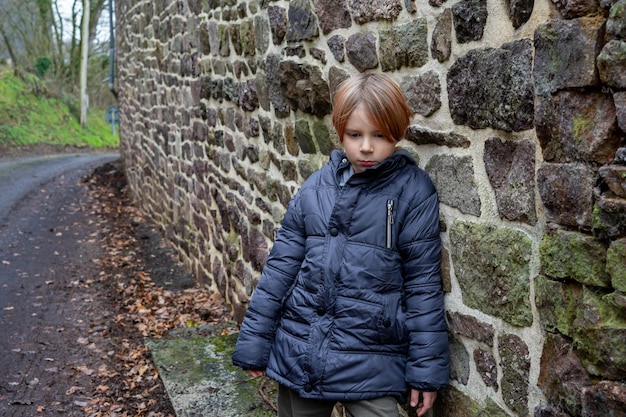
(47, 244)
(21, 177)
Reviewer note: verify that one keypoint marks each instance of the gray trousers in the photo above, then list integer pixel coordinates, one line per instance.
(290, 404)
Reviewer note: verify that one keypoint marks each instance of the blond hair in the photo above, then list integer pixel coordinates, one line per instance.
(382, 98)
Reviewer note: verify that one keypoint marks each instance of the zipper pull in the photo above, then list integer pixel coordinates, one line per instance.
(389, 239)
(390, 211)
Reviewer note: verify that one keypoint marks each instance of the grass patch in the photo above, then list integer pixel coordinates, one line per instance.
(29, 115)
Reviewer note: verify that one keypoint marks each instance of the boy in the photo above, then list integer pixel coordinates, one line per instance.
(349, 306)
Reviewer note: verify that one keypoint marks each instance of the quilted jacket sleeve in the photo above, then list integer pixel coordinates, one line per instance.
(428, 358)
(255, 339)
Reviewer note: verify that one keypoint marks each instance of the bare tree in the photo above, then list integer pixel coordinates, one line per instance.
(22, 32)
(34, 29)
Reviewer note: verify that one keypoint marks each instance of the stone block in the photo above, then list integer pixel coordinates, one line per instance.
(565, 54)
(574, 126)
(570, 9)
(492, 267)
(612, 64)
(572, 255)
(421, 136)
(304, 137)
(588, 127)
(453, 402)
(548, 411)
(441, 43)
(510, 168)
(520, 11)
(606, 398)
(307, 166)
(302, 22)
(557, 303)
(336, 76)
(490, 87)
(364, 11)
(332, 15)
(469, 18)
(616, 264)
(446, 274)
(609, 217)
(619, 99)
(423, 93)
(486, 366)
(262, 31)
(248, 99)
(454, 178)
(361, 51)
(247, 38)
(278, 23)
(404, 45)
(304, 87)
(290, 139)
(616, 23)
(562, 377)
(515, 364)
(567, 193)
(470, 327)
(336, 45)
(599, 334)
(459, 361)
(273, 80)
(614, 176)
(322, 137)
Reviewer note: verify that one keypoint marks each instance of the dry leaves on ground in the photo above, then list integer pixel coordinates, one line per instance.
(143, 309)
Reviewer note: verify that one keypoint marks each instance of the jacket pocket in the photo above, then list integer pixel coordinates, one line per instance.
(392, 323)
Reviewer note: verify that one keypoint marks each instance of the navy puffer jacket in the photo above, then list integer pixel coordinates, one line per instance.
(350, 303)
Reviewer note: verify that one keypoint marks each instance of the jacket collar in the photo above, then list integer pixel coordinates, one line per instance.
(400, 158)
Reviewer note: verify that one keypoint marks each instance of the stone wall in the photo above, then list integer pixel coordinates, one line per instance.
(520, 121)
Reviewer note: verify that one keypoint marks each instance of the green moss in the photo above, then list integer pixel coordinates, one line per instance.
(575, 256)
(557, 303)
(600, 329)
(616, 264)
(582, 126)
(492, 267)
(225, 343)
(197, 371)
(493, 410)
(598, 224)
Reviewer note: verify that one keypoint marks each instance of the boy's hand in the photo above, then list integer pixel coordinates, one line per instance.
(426, 403)
(254, 373)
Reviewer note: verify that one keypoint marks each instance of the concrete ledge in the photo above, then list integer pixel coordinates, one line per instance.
(195, 367)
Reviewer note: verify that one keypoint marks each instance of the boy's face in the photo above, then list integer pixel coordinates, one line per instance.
(364, 142)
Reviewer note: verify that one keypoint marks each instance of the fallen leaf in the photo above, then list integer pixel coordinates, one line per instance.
(72, 390)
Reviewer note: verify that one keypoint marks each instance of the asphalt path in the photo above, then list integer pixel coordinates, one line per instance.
(47, 246)
(20, 177)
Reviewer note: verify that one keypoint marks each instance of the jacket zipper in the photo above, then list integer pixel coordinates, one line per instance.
(389, 223)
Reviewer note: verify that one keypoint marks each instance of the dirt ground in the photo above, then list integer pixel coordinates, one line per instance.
(80, 351)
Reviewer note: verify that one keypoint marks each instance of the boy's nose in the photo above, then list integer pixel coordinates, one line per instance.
(366, 145)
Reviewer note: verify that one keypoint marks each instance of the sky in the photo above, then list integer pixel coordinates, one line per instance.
(65, 9)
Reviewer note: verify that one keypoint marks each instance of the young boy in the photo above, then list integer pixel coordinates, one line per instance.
(349, 306)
